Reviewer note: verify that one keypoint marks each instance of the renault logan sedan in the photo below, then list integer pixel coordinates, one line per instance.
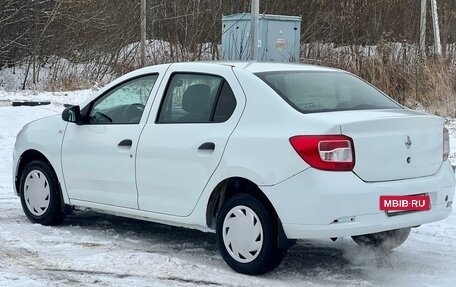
(260, 153)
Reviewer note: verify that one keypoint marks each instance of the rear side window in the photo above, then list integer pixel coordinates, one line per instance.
(197, 98)
(312, 92)
(225, 105)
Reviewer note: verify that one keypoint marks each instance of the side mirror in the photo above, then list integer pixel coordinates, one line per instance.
(72, 115)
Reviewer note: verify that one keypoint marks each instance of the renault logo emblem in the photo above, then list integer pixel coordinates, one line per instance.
(408, 142)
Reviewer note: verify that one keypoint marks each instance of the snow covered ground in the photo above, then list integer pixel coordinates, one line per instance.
(101, 250)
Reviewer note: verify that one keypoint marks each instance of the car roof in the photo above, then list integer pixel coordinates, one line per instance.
(257, 67)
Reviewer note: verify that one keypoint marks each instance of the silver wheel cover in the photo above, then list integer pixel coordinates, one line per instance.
(36, 192)
(242, 234)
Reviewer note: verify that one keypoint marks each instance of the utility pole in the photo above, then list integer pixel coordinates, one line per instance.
(423, 28)
(435, 20)
(143, 33)
(254, 19)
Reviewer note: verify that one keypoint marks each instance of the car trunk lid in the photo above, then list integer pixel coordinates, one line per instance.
(392, 144)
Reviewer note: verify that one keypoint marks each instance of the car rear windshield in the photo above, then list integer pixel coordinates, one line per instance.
(313, 92)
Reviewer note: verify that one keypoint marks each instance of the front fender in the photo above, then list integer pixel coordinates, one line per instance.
(44, 136)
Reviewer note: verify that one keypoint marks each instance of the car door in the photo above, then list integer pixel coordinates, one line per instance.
(98, 156)
(185, 136)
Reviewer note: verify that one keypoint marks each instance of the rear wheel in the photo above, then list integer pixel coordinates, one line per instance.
(385, 241)
(247, 236)
(40, 194)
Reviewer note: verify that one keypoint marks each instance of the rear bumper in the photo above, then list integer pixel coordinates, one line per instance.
(320, 204)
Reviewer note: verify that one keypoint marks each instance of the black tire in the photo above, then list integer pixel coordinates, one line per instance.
(270, 255)
(384, 241)
(53, 214)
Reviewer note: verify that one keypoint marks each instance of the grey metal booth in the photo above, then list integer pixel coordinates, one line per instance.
(278, 37)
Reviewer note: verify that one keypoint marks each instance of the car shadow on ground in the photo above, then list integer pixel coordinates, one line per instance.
(335, 261)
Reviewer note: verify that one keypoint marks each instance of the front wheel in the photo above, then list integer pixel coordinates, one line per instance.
(247, 236)
(385, 241)
(40, 194)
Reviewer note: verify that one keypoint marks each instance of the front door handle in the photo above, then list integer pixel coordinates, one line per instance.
(125, 143)
(207, 146)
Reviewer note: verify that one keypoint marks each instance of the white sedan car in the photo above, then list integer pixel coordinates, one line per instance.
(260, 153)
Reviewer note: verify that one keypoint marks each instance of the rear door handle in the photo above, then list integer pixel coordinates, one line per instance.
(125, 143)
(207, 146)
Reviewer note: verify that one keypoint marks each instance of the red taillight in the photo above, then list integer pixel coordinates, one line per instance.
(326, 152)
(446, 144)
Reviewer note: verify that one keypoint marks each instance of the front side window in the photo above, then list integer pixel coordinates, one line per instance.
(312, 92)
(197, 98)
(123, 104)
